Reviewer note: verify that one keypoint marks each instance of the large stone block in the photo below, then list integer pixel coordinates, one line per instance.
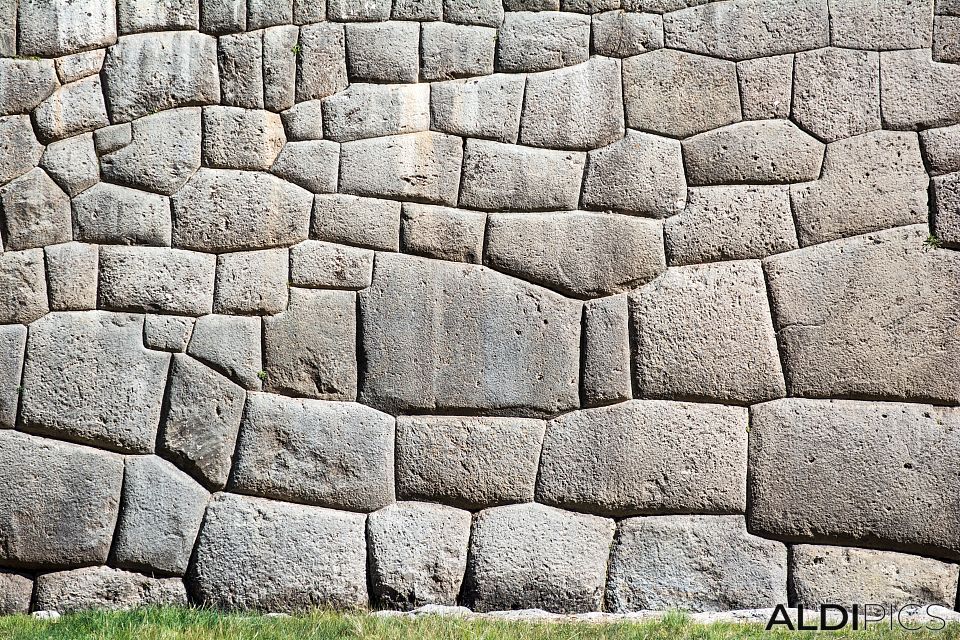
(483, 12)
(19, 149)
(443, 233)
(167, 333)
(79, 65)
(280, 50)
(240, 58)
(359, 10)
(251, 282)
(946, 209)
(155, 279)
(235, 138)
(369, 60)
(35, 212)
(110, 214)
(479, 107)
(605, 375)
(16, 592)
(621, 34)
(941, 149)
(72, 109)
(324, 265)
(365, 222)
(946, 39)
(72, 163)
(23, 286)
(232, 345)
(322, 62)
(223, 16)
(918, 93)
(72, 274)
(148, 15)
(837, 92)
(25, 83)
(542, 40)
(304, 121)
(881, 24)
(418, 10)
(453, 51)
(13, 341)
(311, 164)
(766, 87)
(105, 589)
(268, 13)
(53, 29)
(373, 110)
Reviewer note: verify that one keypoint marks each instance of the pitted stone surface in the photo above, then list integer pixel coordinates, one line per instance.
(605, 375)
(311, 164)
(167, 333)
(322, 62)
(542, 40)
(13, 342)
(621, 34)
(946, 213)
(112, 214)
(456, 51)
(443, 233)
(240, 58)
(235, 138)
(918, 93)
(73, 109)
(231, 345)
(72, 163)
(324, 265)
(155, 279)
(104, 588)
(478, 108)
(396, 109)
(365, 222)
(766, 87)
(16, 591)
(251, 282)
(57, 29)
(35, 212)
(24, 84)
(19, 149)
(24, 286)
(143, 15)
(80, 65)
(369, 60)
(941, 149)
(72, 275)
(885, 24)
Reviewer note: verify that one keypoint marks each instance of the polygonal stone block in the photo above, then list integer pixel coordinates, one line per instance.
(918, 93)
(621, 34)
(417, 10)
(13, 341)
(232, 345)
(72, 163)
(358, 10)
(368, 59)
(223, 16)
(268, 13)
(946, 209)
(111, 214)
(766, 87)
(280, 47)
(79, 65)
(16, 590)
(8, 48)
(24, 84)
(235, 138)
(114, 137)
(486, 107)
(605, 376)
(35, 212)
(148, 15)
(24, 286)
(240, 59)
(60, 28)
(941, 149)
(323, 265)
(540, 41)
(152, 279)
(946, 39)
(442, 232)
(251, 282)
(373, 110)
(304, 121)
(167, 333)
(881, 24)
(454, 51)
(19, 149)
(72, 270)
(322, 62)
(309, 11)
(488, 13)
(105, 589)
(365, 222)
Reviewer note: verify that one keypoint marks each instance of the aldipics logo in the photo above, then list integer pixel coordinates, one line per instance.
(859, 617)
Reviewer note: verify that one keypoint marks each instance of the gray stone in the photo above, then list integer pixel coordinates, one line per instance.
(311, 348)
(231, 345)
(605, 376)
(60, 28)
(416, 166)
(109, 139)
(442, 335)
(149, 15)
(251, 282)
(532, 556)
(309, 11)
(304, 121)
(167, 333)
(646, 457)
(742, 29)
(224, 210)
(468, 462)
(323, 265)
(111, 214)
(704, 93)
(147, 73)
(881, 24)
(809, 460)
(19, 150)
(373, 110)
(443, 233)
(417, 10)
(947, 7)
(641, 174)
(156, 279)
(72, 276)
(731, 223)
(223, 16)
(72, 163)
(946, 209)
(35, 212)
(200, 426)
(311, 164)
(164, 153)
(698, 563)
(880, 323)
(542, 40)
(61, 502)
(946, 39)
(703, 332)
(160, 515)
(661, 6)
(235, 138)
(365, 222)
(322, 64)
(8, 39)
(268, 13)
(918, 93)
(869, 182)
(13, 342)
(23, 286)
(766, 87)
(507, 177)
(621, 34)
(837, 92)
(80, 65)
(418, 554)
(590, 6)
(479, 107)
(105, 589)
(272, 556)
(941, 149)
(358, 10)
(16, 592)
(240, 59)
(579, 254)
(453, 51)
(531, 5)
(25, 83)
(487, 13)
(369, 60)
(280, 47)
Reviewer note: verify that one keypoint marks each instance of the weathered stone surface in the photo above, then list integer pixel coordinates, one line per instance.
(646, 457)
(224, 210)
(605, 377)
(735, 222)
(869, 182)
(35, 212)
(766, 86)
(579, 254)
(417, 10)
(472, 463)
(311, 348)
(105, 589)
(454, 51)
(60, 28)
(251, 282)
(268, 13)
(941, 149)
(324, 265)
(373, 110)
(507, 177)
(479, 107)
(479, 334)
(946, 209)
(304, 121)
(947, 7)
(699, 563)
(25, 83)
(365, 222)
(160, 515)
(13, 341)
(19, 150)
(358, 10)
(111, 138)
(622, 34)
(272, 556)
(882, 24)
(416, 166)
(148, 15)
(918, 93)
(155, 279)
(202, 420)
(309, 11)
(280, 47)
(880, 322)
(223, 16)
(946, 39)
(703, 332)
(641, 174)
(532, 556)
(72, 276)
(146, 73)
(809, 459)
(167, 333)
(704, 93)
(79, 65)
(8, 34)
(61, 501)
(369, 60)
(240, 59)
(23, 286)
(483, 12)
(235, 138)
(418, 554)
(231, 345)
(111, 214)
(16, 591)
(443, 233)
(837, 92)
(542, 40)
(72, 163)
(322, 64)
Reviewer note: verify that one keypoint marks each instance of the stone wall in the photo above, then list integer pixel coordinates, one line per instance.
(571, 304)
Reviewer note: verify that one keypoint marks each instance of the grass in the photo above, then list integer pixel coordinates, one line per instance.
(195, 624)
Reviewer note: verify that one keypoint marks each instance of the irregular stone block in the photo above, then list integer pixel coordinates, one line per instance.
(621, 34)
(311, 348)
(79, 65)
(268, 13)
(358, 10)
(309, 11)
(232, 346)
(869, 182)
(416, 166)
(766, 86)
(72, 163)
(105, 589)
(160, 516)
(35, 211)
(530, 556)
(417, 10)
(251, 282)
(8, 47)
(112, 138)
(24, 286)
(235, 138)
(487, 13)
(946, 209)
(154, 279)
(590, 6)
(202, 420)
(809, 458)
(941, 149)
(365, 222)
(224, 210)
(272, 556)
(167, 333)
(148, 15)
(280, 48)
(60, 504)
(731, 223)
(471, 463)
(19, 149)
(240, 58)
(883, 24)
(507, 177)
(443, 233)
(479, 107)
(304, 121)
(605, 377)
(24, 84)
(703, 332)
(72, 276)
(585, 255)
(60, 28)
(946, 39)
(111, 214)
(540, 41)
(699, 563)
(322, 63)
(837, 92)
(147, 73)
(880, 323)
(369, 60)
(479, 334)
(418, 554)
(16, 591)
(453, 51)
(323, 265)
(373, 110)
(13, 341)
(704, 93)
(223, 16)
(532, 5)
(646, 457)
(918, 93)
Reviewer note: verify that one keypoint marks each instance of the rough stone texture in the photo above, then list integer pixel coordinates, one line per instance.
(443, 233)
(881, 24)
(57, 29)
(304, 121)
(918, 93)
(280, 47)
(240, 58)
(946, 213)
(24, 287)
(268, 13)
(941, 149)
(809, 458)
(359, 10)
(231, 345)
(542, 40)
(72, 270)
(35, 212)
(373, 110)
(452, 51)
(472, 463)
(251, 282)
(16, 591)
(885, 287)
(24, 84)
(766, 87)
(946, 39)
(324, 265)
(531, 556)
(167, 333)
(369, 60)
(19, 150)
(312, 164)
(418, 10)
(700, 563)
(223, 16)
(145, 15)
(13, 341)
(605, 376)
(322, 62)
(479, 107)
(73, 109)
(483, 12)
(105, 589)
(72, 163)
(111, 214)
(365, 222)
(155, 279)
(621, 34)
(112, 138)
(235, 138)
(79, 65)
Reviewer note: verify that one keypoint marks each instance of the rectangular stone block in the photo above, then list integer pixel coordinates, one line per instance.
(443, 233)
(324, 265)
(24, 286)
(13, 341)
(106, 589)
(16, 590)
(365, 222)
(373, 110)
(152, 279)
(605, 376)
(241, 70)
(487, 107)
(72, 270)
